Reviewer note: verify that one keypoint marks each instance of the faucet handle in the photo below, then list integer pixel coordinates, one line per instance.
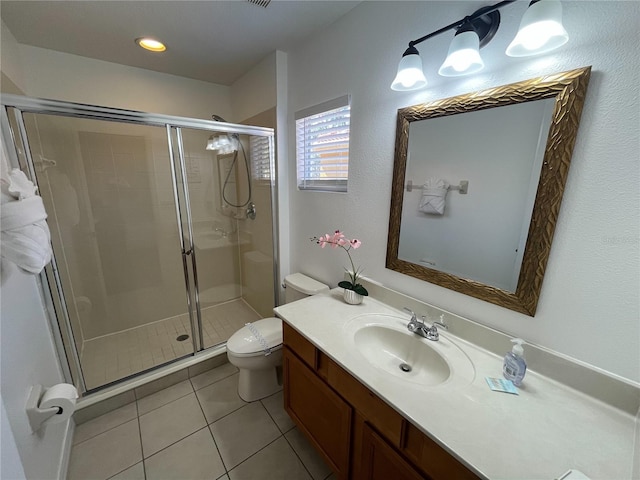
(413, 315)
(441, 323)
(412, 326)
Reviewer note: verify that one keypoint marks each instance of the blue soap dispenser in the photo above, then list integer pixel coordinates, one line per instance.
(514, 366)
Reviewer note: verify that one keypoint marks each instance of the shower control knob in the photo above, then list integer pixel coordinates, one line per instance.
(251, 211)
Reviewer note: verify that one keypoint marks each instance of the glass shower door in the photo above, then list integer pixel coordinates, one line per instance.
(109, 193)
(227, 181)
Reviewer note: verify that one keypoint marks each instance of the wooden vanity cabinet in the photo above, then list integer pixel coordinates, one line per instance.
(319, 413)
(359, 435)
(379, 461)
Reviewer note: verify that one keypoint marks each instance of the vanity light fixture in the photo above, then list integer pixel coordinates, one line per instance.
(540, 31)
(151, 44)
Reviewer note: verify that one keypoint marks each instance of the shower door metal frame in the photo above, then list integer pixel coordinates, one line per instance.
(185, 253)
(22, 105)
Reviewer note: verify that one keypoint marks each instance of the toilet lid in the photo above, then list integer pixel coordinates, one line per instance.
(245, 342)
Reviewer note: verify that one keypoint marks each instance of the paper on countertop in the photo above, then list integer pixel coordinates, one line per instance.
(501, 385)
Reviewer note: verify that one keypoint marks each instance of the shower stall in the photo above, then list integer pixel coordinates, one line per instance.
(162, 230)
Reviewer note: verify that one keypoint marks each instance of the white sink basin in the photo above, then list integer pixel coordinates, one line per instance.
(384, 342)
(402, 354)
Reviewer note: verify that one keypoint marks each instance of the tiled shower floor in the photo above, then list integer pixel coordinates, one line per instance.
(196, 429)
(116, 356)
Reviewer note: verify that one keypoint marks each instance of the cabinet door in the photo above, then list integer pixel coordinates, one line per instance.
(381, 462)
(318, 412)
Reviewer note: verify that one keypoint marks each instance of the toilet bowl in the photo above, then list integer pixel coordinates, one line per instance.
(256, 349)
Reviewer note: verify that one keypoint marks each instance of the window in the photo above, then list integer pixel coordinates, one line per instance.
(260, 155)
(322, 146)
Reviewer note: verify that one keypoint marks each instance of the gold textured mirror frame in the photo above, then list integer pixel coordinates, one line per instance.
(569, 90)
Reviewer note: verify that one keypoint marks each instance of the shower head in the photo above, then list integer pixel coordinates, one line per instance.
(218, 118)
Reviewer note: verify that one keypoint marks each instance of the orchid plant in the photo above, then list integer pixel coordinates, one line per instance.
(338, 240)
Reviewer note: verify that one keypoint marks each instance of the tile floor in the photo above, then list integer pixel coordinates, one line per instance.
(117, 356)
(196, 429)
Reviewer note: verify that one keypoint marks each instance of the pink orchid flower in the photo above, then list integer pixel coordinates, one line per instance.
(338, 239)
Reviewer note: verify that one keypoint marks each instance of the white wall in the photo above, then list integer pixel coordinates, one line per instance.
(282, 170)
(589, 305)
(10, 55)
(255, 91)
(10, 465)
(28, 358)
(61, 76)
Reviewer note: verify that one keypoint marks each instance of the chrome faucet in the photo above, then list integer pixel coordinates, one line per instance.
(420, 328)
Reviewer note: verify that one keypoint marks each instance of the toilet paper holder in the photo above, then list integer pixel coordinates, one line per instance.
(38, 416)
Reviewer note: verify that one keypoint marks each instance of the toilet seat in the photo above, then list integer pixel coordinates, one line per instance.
(244, 343)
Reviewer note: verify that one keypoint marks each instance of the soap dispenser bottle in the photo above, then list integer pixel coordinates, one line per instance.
(514, 366)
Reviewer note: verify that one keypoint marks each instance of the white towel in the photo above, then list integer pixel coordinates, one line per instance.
(434, 196)
(24, 235)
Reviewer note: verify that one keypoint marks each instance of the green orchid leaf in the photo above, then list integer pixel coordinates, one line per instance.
(347, 285)
(361, 290)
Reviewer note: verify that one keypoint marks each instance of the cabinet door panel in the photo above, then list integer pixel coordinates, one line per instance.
(381, 462)
(384, 418)
(297, 343)
(318, 412)
(432, 458)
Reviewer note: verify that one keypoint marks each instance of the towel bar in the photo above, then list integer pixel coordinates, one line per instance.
(463, 187)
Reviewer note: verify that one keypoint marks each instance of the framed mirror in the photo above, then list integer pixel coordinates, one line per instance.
(477, 186)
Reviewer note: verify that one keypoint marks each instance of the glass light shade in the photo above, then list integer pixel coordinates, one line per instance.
(540, 30)
(463, 57)
(409, 76)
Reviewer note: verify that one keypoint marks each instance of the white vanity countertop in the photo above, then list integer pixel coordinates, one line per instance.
(539, 434)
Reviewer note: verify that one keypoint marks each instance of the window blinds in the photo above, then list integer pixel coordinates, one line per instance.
(260, 155)
(322, 146)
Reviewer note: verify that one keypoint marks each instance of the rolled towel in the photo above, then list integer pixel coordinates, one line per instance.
(434, 196)
(24, 235)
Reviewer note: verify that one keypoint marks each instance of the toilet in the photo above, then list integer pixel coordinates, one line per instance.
(256, 349)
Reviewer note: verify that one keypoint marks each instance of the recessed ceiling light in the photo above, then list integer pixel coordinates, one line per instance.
(151, 44)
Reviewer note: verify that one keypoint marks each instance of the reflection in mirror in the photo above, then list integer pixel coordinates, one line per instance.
(504, 174)
(490, 239)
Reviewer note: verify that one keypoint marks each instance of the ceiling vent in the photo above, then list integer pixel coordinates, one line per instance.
(260, 3)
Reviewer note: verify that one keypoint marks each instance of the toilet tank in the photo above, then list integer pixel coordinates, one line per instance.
(299, 286)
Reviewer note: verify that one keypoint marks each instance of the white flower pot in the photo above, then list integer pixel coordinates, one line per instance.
(352, 298)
